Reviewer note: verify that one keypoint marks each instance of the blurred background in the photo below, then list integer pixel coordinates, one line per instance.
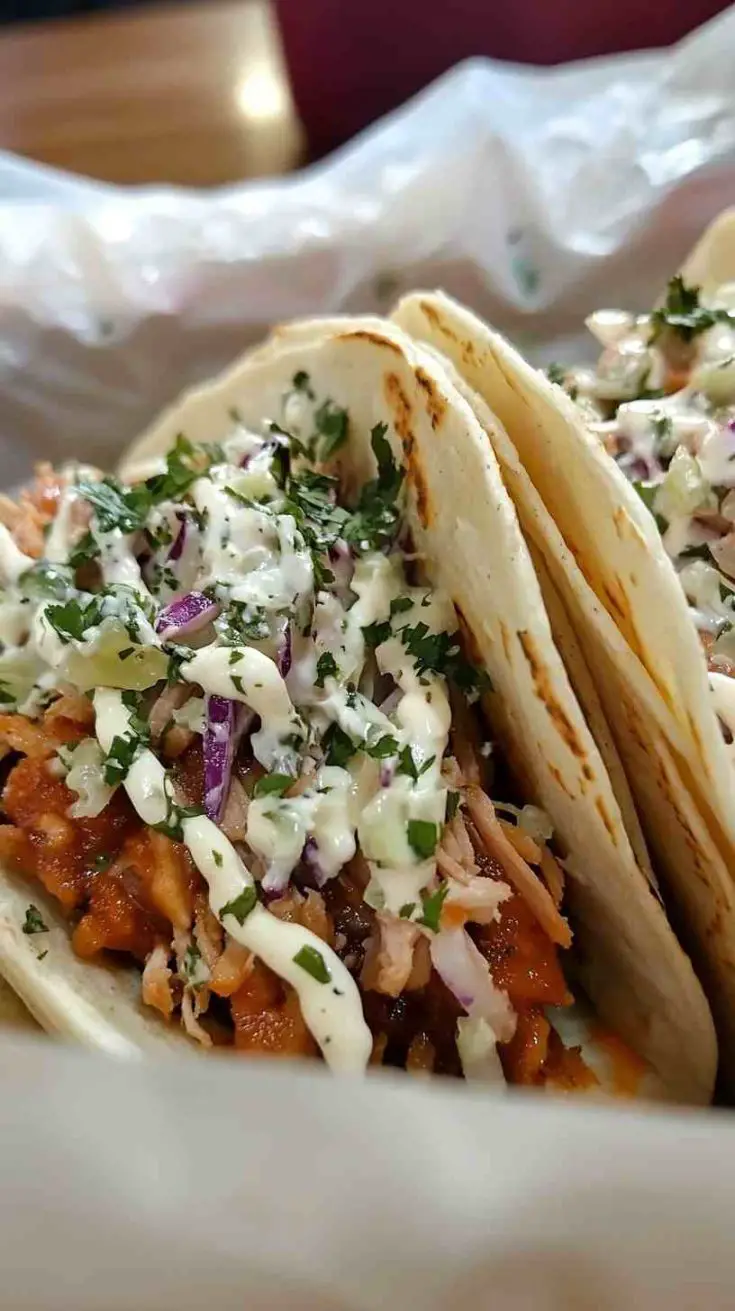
(213, 91)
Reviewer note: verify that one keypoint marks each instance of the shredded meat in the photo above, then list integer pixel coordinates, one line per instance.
(517, 872)
(156, 982)
(389, 957)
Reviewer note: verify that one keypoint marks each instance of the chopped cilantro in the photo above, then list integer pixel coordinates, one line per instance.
(116, 506)
(119, 758)
(331, 425)
(185, 463)
(326, 667)
(313, 962)
(452, 804)
(33, 922)
(407, 764)
(191, 964)
(556, 373)
(439, 653)
(241, 906)
(73, 618)
(85, 550)
(173, 670)
(432, 907)
(173, 825)
(407, 910)
(400, 605)
(662, 427)
(242, 623)
(237, 683)
(377, 633)
(217, 858)
(338, 747)
(126, 653)
(6, 697)
(374, 522)
(683, 314)
(44, 579)
(273, 785)
(301, 382)
(422, 837)
(384, 747)
(101, 862)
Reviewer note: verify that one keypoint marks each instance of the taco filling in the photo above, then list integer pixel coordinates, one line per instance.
(242, 750)
(662, 400)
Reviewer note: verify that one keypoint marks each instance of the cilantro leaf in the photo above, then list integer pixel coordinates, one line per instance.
(313, 962)
(85, 550)
(33, 922)
(400, 605)
(301, 382)
(422, 837)
(407, 764)
(185, 463)
(273, 785)
(326, 667)
(338, 747)
(453, 800)
(432, 907)
(374, 522)
(331, 425)
(241, 906)
(44, 579)
(440, 653)
(119, 758)
(377, 633)
(72, 619)
(384, 747)
(683, 314)
(116, 506)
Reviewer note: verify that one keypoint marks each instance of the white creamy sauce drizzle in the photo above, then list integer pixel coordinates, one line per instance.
(333, 1010)
(252, 559)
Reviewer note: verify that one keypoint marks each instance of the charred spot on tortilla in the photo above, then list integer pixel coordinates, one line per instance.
(557, 776)
(435, 319)
(375, 338)
(542, 686)
(505, 639)
(435, 404)
(604, 816)
(402, 416)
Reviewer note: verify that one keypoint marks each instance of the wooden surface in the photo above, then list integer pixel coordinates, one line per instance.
(187, 93)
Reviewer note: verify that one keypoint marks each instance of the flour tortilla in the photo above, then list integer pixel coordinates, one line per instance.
(464, 521)
(606, 560)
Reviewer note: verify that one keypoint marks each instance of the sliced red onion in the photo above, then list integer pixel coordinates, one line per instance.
(387, 773)
(466, 973)
(186, 616)
(180, 542)
(284, 654)
(310, 857)
(219, 751)
(270, 444)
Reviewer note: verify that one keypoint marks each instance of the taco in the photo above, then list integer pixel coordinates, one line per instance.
(605, 555)
(243, 686)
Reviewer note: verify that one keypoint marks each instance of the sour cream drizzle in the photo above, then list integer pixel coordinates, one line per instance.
(333, 1010)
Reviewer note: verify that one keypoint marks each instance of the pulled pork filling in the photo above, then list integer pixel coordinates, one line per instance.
(661, 398)
(239, 749)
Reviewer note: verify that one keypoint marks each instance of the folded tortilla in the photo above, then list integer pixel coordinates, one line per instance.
(466, 532)
(604, 556)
